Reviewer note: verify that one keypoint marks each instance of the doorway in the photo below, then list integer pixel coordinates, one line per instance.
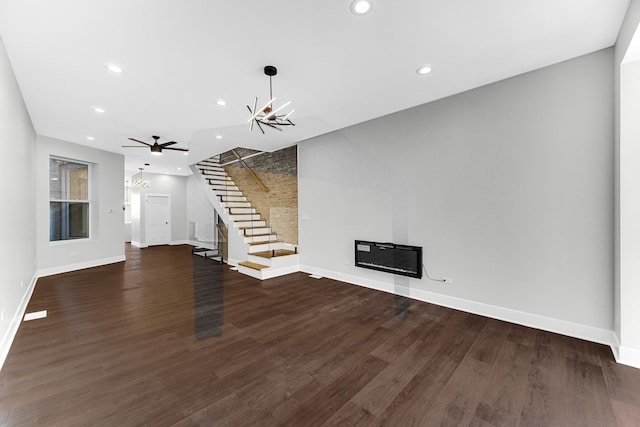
(158, 219)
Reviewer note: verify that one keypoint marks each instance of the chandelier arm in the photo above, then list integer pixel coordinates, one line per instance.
(270, 125)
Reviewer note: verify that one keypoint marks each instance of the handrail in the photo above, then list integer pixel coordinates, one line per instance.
(251, 172)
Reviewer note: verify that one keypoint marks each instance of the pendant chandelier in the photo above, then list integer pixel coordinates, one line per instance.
(141, 183)
(268, 115)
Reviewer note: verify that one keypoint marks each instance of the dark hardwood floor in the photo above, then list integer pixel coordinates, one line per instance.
(168, 338)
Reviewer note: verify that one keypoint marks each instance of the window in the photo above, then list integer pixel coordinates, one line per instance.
(68, 200)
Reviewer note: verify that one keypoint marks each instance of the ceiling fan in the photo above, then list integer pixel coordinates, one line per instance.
(156, 148)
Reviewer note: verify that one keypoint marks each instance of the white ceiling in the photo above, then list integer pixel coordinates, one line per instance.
(338, 69)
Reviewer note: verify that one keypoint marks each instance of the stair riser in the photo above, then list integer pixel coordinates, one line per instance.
(254, 231)
(244, 217)
(227, 193)
(235, 211)
(258, 223)
(265, 238)
(224, 188)
(277, 262)
(216, 174)
(240, 204)
(211, 168)
(228, 199)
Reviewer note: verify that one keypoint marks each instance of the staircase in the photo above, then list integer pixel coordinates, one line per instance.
(264, 255)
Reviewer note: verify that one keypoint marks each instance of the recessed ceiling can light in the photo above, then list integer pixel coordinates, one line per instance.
(425, 69)
(90, 138)
(221, 102)
(361, 7)
(98, 109)
(113, 68)
(218, 136)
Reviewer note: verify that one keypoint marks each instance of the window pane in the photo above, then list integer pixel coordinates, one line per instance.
(68, 220)
(68, 180)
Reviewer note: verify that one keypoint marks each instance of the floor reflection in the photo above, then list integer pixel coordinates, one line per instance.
(403, 305)
(208, 297)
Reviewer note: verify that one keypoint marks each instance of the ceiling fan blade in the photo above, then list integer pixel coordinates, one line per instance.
(175, 149)
(133, 146)
(141, 142)
(166, 144)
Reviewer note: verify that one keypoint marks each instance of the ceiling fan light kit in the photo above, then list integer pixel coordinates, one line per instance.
(267, 115)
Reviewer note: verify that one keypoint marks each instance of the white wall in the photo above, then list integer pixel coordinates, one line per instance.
(17, 220)
(106, 244)
(508, 187)
(174, 185)
(627, 195)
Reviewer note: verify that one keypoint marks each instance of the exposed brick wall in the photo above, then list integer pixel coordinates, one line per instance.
(279, 172)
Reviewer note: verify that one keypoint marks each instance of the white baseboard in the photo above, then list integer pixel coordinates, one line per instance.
(272, 272)
(626, 355)
(79, 266)
(138, 244)
(7, 340)
(180, 242)
(563, 327)
(629, 356)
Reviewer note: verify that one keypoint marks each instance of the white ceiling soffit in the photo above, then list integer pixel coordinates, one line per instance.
(338, 69)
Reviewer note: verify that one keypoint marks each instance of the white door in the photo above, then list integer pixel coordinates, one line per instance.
(158, 219)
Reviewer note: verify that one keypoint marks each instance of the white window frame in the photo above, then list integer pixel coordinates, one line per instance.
(87, 201)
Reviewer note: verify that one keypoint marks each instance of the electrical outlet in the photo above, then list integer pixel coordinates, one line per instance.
(21, 283)
(448, 280)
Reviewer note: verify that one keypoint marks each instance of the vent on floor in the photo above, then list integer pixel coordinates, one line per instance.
(35, 315)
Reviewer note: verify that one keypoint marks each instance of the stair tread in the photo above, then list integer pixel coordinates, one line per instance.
(253, 265)
(266, 242)
(274, 254)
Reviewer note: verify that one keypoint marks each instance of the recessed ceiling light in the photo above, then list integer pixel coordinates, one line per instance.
(218, 136)
(361, 7)
(425, 69)
(113, 68)
(98, 109)
(179, 169)
(90, 138)
(186, 153)
(221, 102)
